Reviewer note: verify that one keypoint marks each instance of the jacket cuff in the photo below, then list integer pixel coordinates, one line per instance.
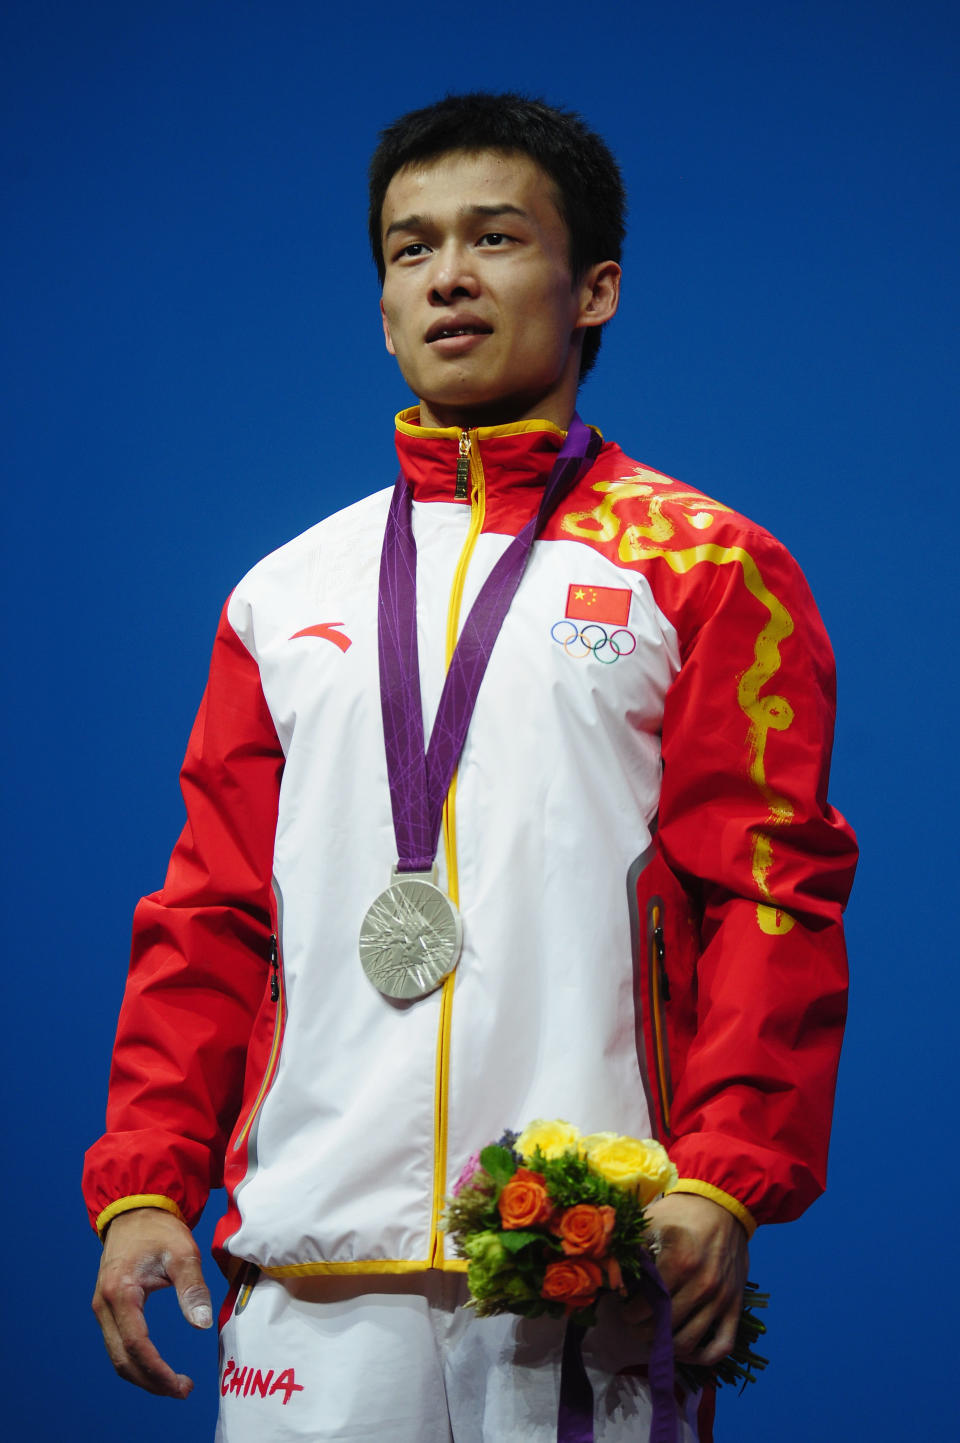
(715, 1194)
(136, 1200)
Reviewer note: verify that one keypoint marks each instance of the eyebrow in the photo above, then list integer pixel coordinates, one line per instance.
(418, 222)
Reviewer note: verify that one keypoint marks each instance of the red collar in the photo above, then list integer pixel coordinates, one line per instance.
(514, 461)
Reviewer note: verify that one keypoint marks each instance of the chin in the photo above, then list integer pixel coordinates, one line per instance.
(468, 407)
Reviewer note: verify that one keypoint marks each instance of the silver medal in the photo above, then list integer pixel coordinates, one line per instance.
(411, 937)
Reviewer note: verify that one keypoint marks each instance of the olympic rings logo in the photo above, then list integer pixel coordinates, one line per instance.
(594, 640)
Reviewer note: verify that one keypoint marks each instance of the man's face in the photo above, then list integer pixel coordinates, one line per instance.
(479, 305)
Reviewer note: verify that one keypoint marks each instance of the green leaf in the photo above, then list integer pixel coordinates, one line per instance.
(499, 1163)
(514, 1241)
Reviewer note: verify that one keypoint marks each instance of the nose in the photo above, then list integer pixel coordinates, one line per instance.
(452, 276)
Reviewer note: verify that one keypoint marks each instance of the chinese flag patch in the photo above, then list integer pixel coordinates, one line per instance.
(598, 603)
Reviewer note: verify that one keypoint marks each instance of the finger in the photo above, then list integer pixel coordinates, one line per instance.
(186, 1275)
(704, 1291)
(636, 1312)
(150, 1373)
(689, 1336)
(678, 1262)
(696, 1307)
(718, 1341)
(709, 1333)
(129, 1347)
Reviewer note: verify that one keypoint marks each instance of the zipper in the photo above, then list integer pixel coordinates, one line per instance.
(469, 470)
(276, 997)
(659, 997)
(275, 969)
(462, 489)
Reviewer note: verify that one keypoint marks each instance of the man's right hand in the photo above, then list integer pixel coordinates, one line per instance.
(144, 1250)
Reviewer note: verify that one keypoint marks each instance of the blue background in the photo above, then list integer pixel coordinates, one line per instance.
(192, 366)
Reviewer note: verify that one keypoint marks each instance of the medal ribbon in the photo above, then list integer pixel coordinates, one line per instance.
(420, 776)
(575, 1416)
(663, 1425)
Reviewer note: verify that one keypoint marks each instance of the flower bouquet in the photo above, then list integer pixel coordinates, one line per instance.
(548, 1220)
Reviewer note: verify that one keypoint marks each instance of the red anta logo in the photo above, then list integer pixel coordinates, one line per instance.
(326, 631)
(250, 1381)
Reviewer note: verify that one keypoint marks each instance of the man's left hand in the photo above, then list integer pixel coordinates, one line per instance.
(703, 1262)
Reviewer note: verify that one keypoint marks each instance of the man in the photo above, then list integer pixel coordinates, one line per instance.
(634, 838)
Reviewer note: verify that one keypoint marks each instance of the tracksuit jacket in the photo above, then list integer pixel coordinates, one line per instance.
(637, 837)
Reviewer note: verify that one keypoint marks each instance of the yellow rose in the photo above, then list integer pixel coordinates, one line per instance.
(553, 1138)
(629, 1163)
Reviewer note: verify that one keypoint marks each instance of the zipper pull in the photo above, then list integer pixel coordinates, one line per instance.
(275, 964)
(660, 954)
(462, 490)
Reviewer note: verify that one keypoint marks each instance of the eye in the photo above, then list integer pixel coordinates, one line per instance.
(413, 250)
(493, 238)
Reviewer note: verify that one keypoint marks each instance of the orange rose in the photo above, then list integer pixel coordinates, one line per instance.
(574, 1282)
(525, 1201)
(585, 1230)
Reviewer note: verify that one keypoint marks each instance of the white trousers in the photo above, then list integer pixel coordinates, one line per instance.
(400, 1359)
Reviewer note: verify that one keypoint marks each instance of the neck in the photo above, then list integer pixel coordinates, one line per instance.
(557, 404)
(468, 417)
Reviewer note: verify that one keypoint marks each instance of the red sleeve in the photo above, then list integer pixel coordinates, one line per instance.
(200, 960)
(745, 825)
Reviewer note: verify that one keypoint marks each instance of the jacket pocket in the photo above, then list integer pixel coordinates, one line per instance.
(665, 941)
(273, 1038)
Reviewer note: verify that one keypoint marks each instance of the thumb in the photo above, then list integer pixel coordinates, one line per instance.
(192, 1292)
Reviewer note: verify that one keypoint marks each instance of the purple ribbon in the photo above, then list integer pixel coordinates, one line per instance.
(575, 1416)
(663, 1426)
(420, 776)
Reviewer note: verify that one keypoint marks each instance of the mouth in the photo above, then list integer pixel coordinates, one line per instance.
(453, 330)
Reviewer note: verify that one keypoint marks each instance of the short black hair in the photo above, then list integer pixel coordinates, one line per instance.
(593, 202)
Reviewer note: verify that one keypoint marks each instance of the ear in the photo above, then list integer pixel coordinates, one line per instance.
(599, 294)
(388, 339)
